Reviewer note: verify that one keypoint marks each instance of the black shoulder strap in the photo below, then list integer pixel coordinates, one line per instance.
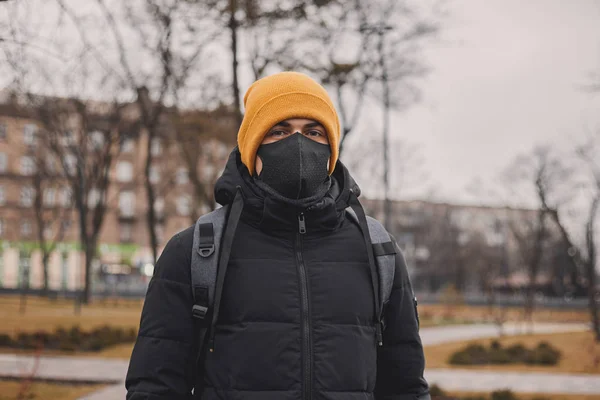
(213, 237)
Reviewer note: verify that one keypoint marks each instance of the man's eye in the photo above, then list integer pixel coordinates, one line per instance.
(315, 133)
(278, 133)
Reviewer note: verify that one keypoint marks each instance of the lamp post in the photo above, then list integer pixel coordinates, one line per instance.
(381, 29)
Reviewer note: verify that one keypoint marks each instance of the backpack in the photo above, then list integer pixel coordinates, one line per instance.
(213, 238)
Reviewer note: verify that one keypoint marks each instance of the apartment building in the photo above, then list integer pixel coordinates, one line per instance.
(124, 238)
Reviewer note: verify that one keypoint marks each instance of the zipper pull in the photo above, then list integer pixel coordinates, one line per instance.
(379, 333)
(302, 223)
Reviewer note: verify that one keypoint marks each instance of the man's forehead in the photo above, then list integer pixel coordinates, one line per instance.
(306, 122)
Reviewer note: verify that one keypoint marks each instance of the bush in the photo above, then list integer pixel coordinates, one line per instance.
(543, 354)
(503, 395)
(476, 354)
(473, 354)
(435, 390)
(5, 340)
(73, 339)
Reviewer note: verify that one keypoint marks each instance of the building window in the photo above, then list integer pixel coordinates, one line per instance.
(47, 232)
(70, 164)
(154, 175)
(27, 166)
(124, 171)
(50, 197)
(66, 198)
(29, 133)
(2, 195)
(127, 204)
(159, 206)
(66, 225)
(208, 172)
(181, 176)
(26, 228)
(50, 164)
(93, 198)
(160, 233)
(68, 138)
(24, 269)
(3, 130)
(183, 205)
(1, 227)
(96, 140)
(155, 147)
(27, 195)
(127, 146)
(126, 232)
(3, 162)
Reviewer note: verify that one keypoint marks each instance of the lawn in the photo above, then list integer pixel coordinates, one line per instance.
(527, 396)
(461, 313)
(580, 353)
(43, 314)
(9, 390)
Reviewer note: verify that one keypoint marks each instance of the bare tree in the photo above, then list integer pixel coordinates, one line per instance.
(583, 253)
(531, 235)
(52, 219)
(80, 134)
(204, 138)
(367, 48)
(161, 33)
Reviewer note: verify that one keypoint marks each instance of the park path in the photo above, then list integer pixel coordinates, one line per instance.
(111, 371)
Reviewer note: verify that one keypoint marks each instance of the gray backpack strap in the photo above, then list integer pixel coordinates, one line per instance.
(205, 258)
(385, 255)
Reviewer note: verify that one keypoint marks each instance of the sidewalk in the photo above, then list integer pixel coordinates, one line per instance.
(82, 369)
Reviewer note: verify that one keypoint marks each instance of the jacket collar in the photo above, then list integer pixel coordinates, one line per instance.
(277, 216)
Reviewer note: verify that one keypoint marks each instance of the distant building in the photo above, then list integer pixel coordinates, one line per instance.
(466, 246)
(123, 241)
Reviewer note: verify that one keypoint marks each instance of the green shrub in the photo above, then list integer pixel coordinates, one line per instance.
(517, 351)
(435, 390)
(543, 354)
(504, 395)
(476, 354)
(498, 356)
(5, 340)
(73, 339)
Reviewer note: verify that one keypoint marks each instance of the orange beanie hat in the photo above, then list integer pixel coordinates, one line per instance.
(282, 96)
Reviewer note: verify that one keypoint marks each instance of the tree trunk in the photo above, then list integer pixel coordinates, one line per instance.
(233, 27)
(87, 288)
(45, 259)
(151, 215)
(592, 304)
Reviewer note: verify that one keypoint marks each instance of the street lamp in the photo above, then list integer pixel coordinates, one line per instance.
(381, 29)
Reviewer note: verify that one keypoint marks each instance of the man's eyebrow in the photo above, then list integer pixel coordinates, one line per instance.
(284, 124)
(313, 125)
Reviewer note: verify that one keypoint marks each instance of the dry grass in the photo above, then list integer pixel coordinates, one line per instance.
(580, 353)
(530, 396)
(47, 315)
(9, 390)
(435, 312)
(43, 314)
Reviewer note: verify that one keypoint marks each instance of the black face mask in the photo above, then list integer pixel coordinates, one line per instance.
(295, 167)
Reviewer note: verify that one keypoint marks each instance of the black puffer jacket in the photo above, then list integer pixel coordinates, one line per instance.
(297, 312)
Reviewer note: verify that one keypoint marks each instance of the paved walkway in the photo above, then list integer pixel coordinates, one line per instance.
(484, 381)
(113, 371)
(455, 333)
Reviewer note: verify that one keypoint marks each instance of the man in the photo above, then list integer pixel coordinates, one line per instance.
(296, 318)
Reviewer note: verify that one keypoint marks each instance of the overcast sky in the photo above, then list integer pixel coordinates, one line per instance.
(507, 76)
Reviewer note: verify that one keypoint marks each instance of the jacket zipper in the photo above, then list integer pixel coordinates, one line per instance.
(306, 320)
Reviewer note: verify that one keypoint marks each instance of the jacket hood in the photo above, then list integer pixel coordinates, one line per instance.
(274, 214)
